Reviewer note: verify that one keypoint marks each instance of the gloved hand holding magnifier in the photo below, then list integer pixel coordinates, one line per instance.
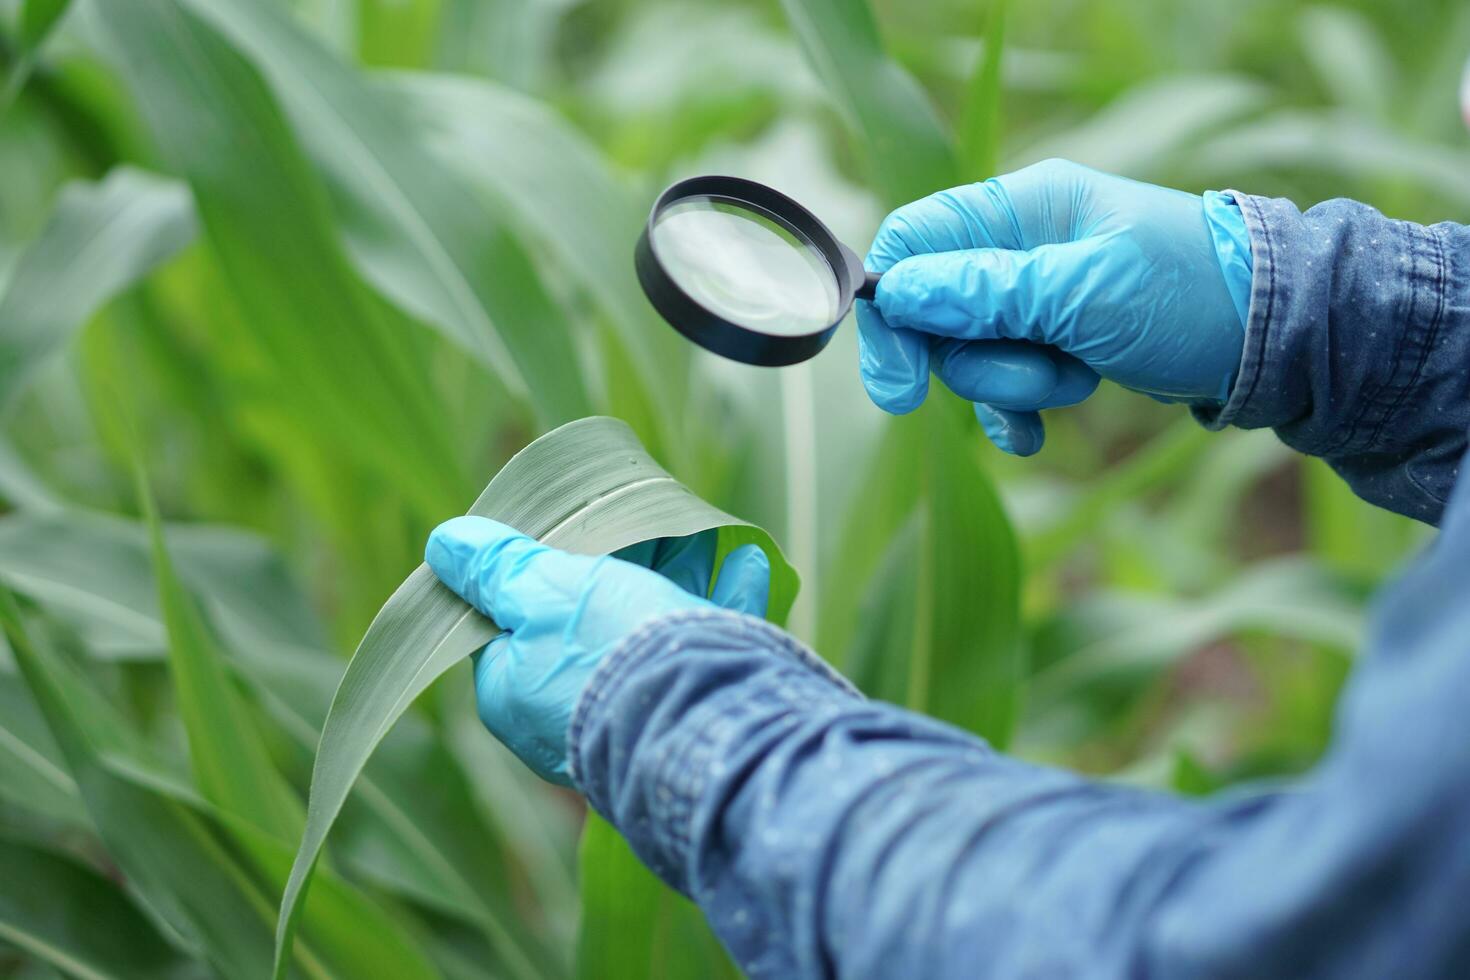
(1018, 293)
(746, 272)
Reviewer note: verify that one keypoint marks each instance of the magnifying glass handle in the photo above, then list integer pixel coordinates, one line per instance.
(869, 288)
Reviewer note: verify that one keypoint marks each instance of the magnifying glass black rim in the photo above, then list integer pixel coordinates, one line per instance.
(707, 328)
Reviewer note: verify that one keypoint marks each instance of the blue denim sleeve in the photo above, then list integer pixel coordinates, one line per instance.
(825, 835)
(1357, 347)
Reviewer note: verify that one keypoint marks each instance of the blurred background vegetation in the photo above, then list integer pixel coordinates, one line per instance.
(321, 266)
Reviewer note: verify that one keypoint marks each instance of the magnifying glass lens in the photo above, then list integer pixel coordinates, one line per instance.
(746, 266)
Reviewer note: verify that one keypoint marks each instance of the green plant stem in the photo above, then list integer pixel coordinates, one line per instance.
(978, 130)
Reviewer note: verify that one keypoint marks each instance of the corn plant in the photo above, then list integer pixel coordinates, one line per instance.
(282, 282)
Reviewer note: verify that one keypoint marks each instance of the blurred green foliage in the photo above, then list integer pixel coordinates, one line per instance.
(338, 259)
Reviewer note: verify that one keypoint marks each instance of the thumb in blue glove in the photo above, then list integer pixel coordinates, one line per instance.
(1019, 293)
(563, 613)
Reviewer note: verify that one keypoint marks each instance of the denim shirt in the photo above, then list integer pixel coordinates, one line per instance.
(1357, 347)
(827, 835)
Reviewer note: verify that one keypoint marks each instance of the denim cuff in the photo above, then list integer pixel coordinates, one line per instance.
(667, 704)
(1343, 315)
(1232, 249)
(1356, 347)
(1263, 271)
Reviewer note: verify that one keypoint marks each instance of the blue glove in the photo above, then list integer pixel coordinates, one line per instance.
(563, 613)
(1019, 292)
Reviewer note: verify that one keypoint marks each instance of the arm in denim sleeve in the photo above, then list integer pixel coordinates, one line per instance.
(1357, 347)
(825, 835)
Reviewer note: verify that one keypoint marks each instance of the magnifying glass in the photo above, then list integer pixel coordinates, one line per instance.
(746, 272)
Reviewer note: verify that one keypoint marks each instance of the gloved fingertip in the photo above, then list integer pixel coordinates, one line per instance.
(467, 552)
(890, 298)
(1017, 433)
(895, 399)
(452, 544)
(1027, 434)
(488, 665)
(482, 658)
(908, 291)
(894, 365)
(1075, 381)
(744, 584)
(1004, 373)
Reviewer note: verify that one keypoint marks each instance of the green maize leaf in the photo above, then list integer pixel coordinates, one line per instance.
(633, 926)
(941, 619)
(410, 827)
(349, 367)
(63, 913)
(349, 934)
(1168, 455)
(1439, 69)
(231, 766)
(33, 774)
(20, 487)
(879, 519)
(37, 18)
(168, 854)
(1332, 143)
(396, 32)
(353, 935)
(149, 810)
(510, 41)
(1349, 534)
(898, 131)
(979, 124)
(965, 655)
(1113, 636)
(555, 187)
(92, 570)
(515, 800)
(1350, 57)
(414, 227)
(1144, 130)
(457, 957)
(874, 660)
(101, 238)
(588, 487)
(1203, 513)
(91, 712)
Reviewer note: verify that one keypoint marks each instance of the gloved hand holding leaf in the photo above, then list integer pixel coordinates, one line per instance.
(588, 487)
